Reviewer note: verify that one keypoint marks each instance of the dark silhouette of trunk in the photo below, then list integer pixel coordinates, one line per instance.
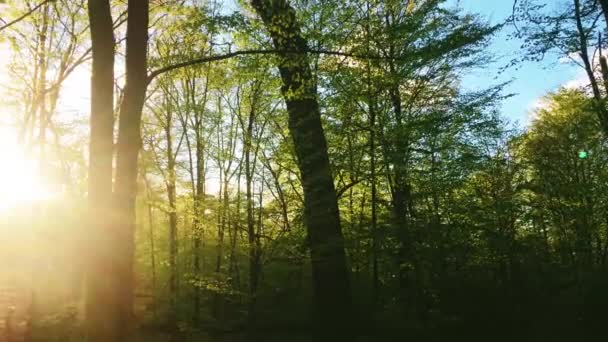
(372, 153)
(602, 59)
(225, 162)
(218, 301)
(36, 107)
(400, 194)
(152, 240)
(199, 193)
(374, 199)
(600, 104)
(6, 25)
(233, 267)
(280, 194)
(331, 283)
(356, 264)
(129, 144)
(199, 212)
(604, 5)
(102, 321)
(41, 97)
(251, 234)
(604, 68)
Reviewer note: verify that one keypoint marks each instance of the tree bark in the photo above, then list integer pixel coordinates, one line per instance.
(247, 128)
(129, 144)
(152, 239)
(371, 103)
(600, 104)
(102, 322)
(24, 15)
(374, 199)
(172, 196)
(199, 210)
(331, 283)
(604, 4)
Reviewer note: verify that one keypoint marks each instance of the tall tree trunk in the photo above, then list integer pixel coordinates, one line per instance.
(218, 301)
(401, 196)
(102, 321)
(372, 153)
(604, 4)
(225, 161)
(172, 196)
(251, 235)
(152, 240)
(374, 199)
(234, 271)
(280, 192)
(129, 144)
(199, 212)
(41, 96)
(603, 62)
(600, 103)
(332, 296)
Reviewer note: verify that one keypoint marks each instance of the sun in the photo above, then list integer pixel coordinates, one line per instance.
(20, 180)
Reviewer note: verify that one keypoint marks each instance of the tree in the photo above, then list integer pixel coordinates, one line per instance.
(569, 196)
(127, 151)
(330, 273)
(6, 25)
(103, 319)
(556, 30)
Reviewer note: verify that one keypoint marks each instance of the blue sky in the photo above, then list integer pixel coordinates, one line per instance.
(531, 80)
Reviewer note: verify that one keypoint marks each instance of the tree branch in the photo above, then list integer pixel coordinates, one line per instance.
(341, 191)
(25, 15)
(228, 55)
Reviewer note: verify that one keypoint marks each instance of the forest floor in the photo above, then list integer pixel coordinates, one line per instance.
(241, 337)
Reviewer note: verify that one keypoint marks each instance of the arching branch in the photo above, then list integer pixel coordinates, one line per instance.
(228, 55)
(25, 15)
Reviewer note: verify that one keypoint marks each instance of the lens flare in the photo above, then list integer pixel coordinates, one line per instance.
(20, 178)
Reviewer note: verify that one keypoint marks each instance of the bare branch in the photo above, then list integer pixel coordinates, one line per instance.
(228, 55)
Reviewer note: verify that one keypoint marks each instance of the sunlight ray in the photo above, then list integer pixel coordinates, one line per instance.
(20, 180)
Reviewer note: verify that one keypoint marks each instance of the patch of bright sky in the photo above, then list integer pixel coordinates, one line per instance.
(530, 80)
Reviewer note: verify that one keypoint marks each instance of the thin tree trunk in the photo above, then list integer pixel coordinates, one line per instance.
(372, 152)
(234, 271)
(224, 221)
(42, 83)
(172, 196)
(249, 169)
(199, 213)
(152, 256)
(374, 200)
(152, 245)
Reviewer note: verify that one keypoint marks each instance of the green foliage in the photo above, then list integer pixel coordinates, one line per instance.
(456, 225)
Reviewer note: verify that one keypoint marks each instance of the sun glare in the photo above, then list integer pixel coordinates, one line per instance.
(20, 180)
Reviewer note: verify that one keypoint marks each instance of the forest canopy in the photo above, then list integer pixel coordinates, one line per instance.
(301, 170)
